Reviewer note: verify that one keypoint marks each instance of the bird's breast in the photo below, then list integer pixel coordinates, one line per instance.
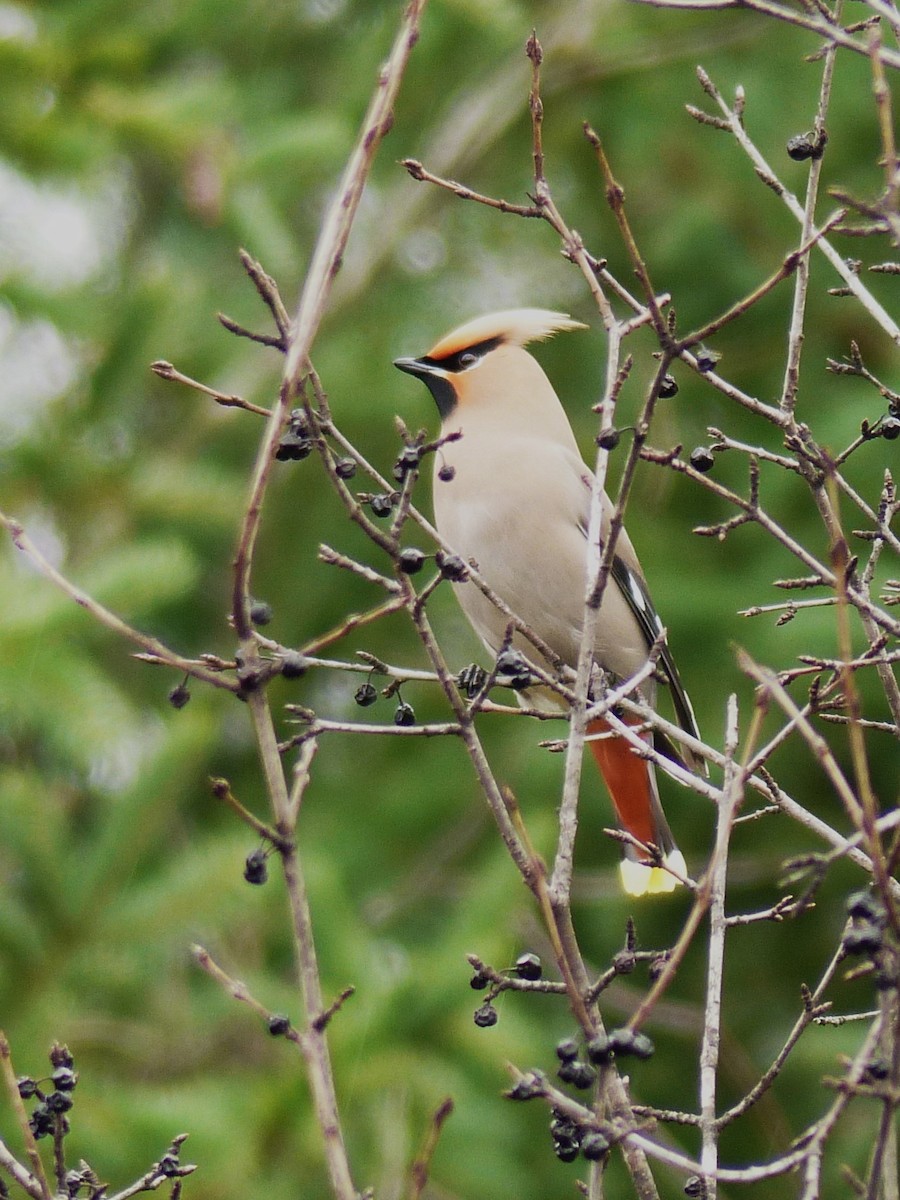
(518, 514)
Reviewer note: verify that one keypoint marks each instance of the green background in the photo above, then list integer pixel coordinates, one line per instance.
(140, 146)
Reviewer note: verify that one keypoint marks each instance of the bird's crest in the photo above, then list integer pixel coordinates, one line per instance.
(513, 327)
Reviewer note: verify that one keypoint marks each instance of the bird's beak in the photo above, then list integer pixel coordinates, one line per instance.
(413, 366)
(434, 378)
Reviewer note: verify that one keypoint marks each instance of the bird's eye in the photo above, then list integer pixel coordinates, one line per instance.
(468, 359)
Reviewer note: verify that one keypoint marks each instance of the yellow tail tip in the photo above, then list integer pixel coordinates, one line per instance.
(640, 880)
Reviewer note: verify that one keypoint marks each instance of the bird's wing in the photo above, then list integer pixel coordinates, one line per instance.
(626, 575)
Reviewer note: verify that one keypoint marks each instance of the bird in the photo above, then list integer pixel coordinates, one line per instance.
(512, 496)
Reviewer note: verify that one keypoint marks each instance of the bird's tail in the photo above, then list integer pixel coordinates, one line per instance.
(631, 781)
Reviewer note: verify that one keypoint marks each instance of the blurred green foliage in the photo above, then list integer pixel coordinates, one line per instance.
(140, 145)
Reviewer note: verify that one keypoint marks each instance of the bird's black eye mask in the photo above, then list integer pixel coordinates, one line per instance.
(463, 359)
(434, 371)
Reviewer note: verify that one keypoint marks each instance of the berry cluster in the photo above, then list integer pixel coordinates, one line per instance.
(527, 967)
(295, 443)
(580, 1071)
(51, 1104)
(570, 1136)
(404, 714)
(867, 936)
(600, 1051)
(571, 1139)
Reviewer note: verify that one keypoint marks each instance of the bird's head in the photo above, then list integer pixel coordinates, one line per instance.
(485, 359)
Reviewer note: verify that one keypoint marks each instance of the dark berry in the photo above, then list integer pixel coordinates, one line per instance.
(260, 612)
(510, 662)
(866, 906)
(451, 566)
(567, 1049)
(702, 459)
(179, 695)
(565, 1150)
(528, 966)
(878, 1069)
(169, 1165)
(278, 1025)
(471, 679)
(668, 387)
(625, 1042)
(599, 1051)
(408, 461)
(293, 448)
(478, 982)
(594, 1145)
(527, 1088)
(563, 1128)
(41, 1121)
(514, 669)
(249, 678)
(578, 1073)
(642, 1047)
(60, 1056)
(365, 695)
(256, 870)
(863, 939)
(64, 1079)
(382, 505)
(801, 147)
(608, 439)
(293, 665)
(446, 473)
(890, 428)
(621, 1041)
(411, 560)
(583, 1077)
(695, 1187)
(27, 1086)
(404, 714)
(485, 1016)
(59, 1102)
(345, 468)
(706, 359)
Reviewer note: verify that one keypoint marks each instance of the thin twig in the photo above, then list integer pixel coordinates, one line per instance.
(732, 796)
(150, 645)
(35, 1184)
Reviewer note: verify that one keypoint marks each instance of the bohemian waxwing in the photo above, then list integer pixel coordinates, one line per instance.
(518, 505)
